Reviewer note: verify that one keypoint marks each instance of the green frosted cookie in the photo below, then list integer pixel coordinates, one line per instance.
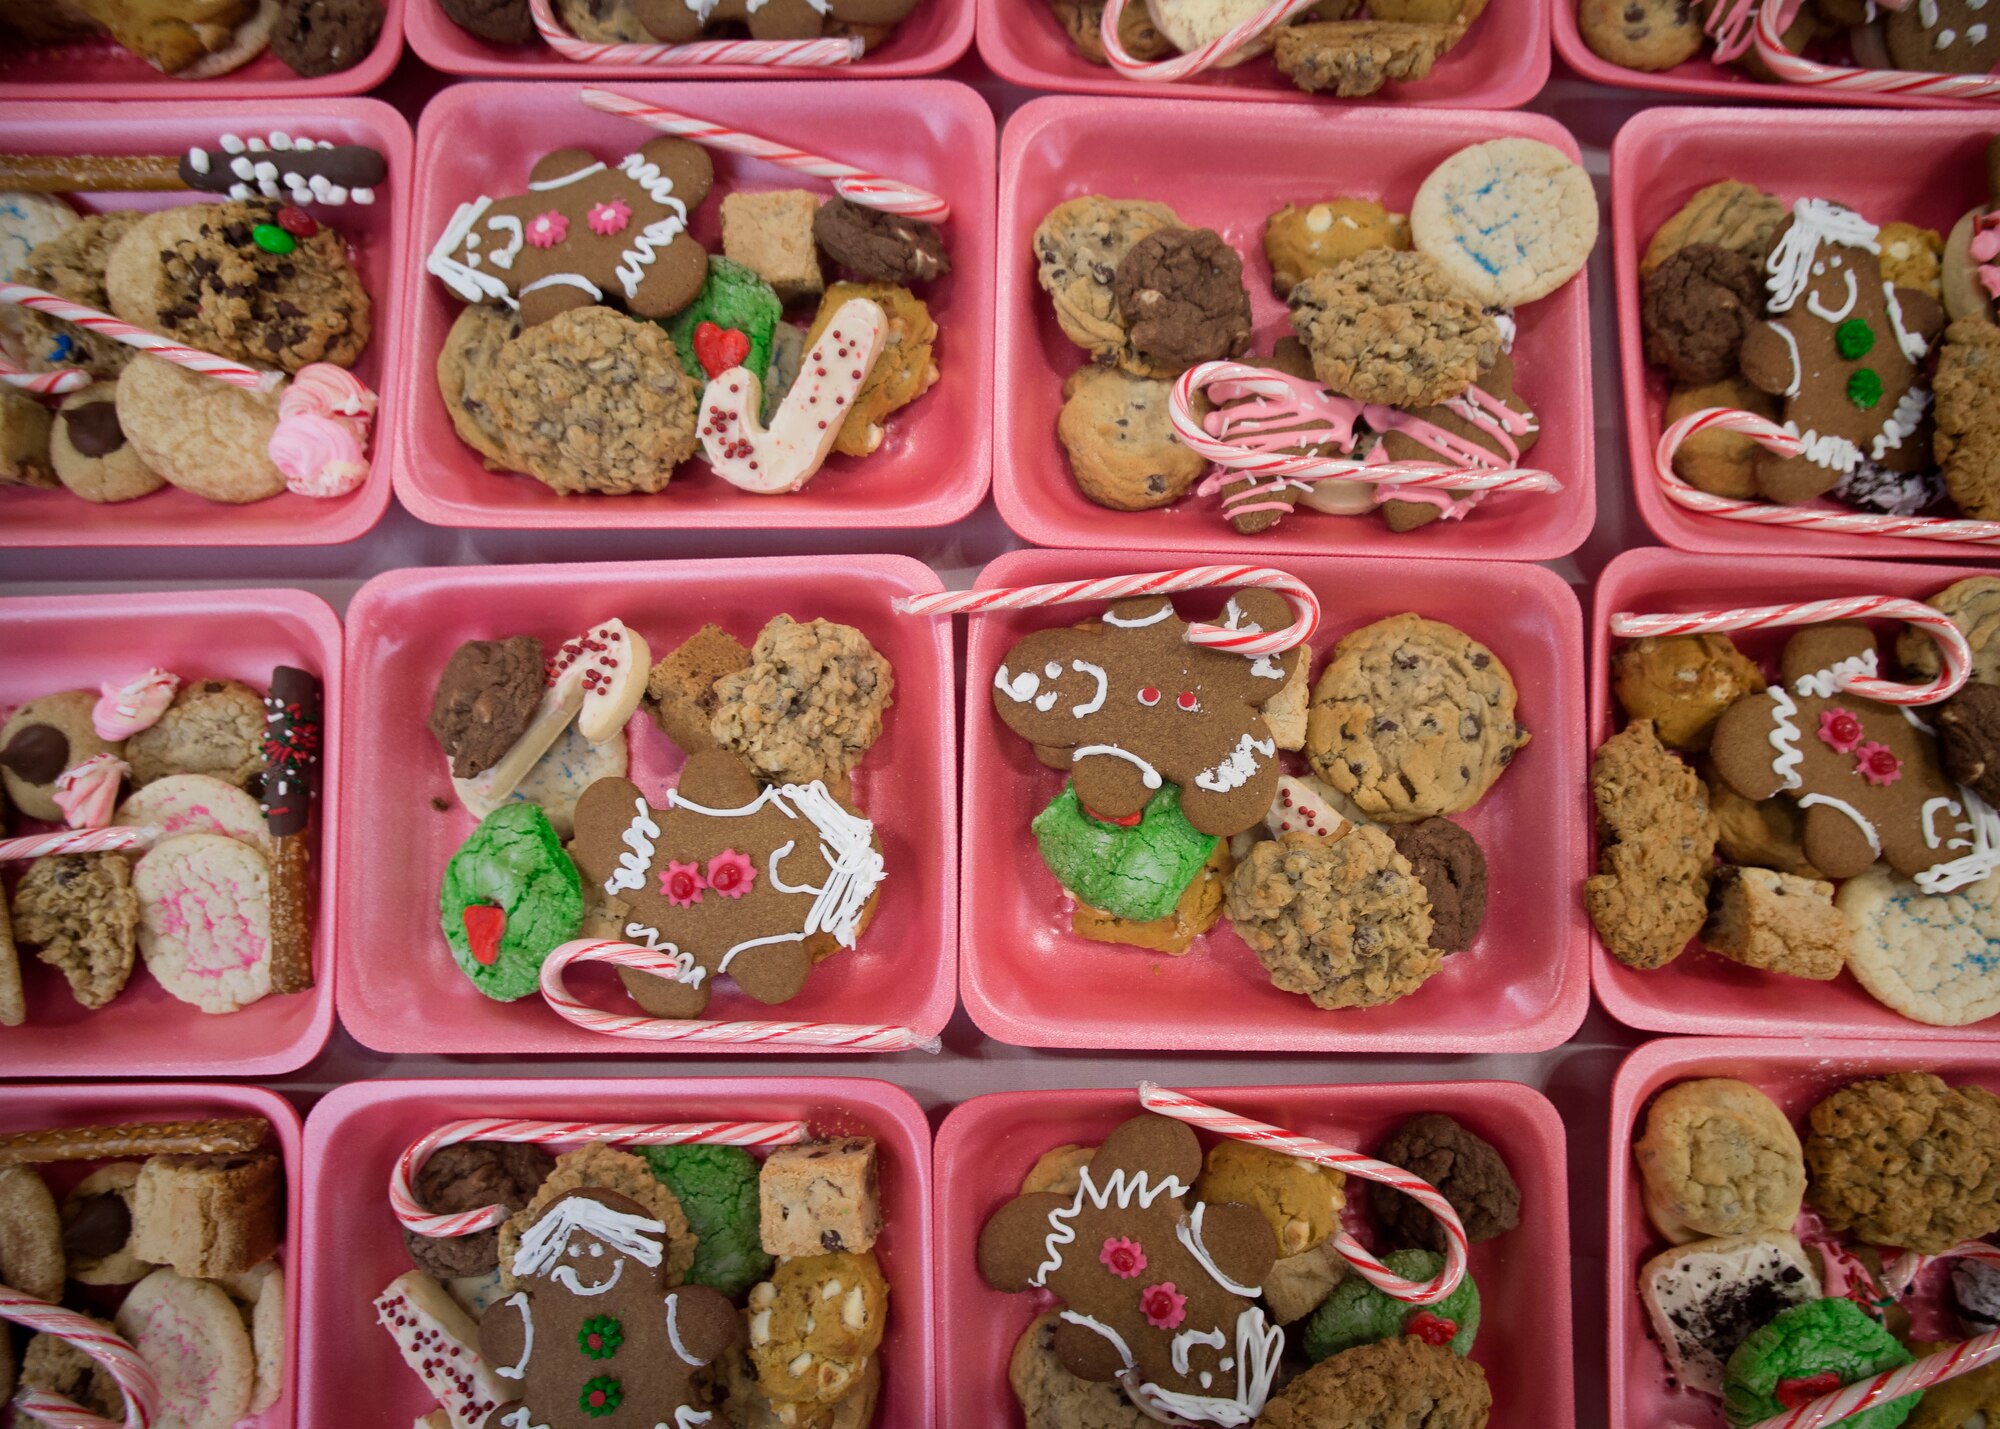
(717, 1187)
(1810, 1350)
(510, 896)
(1356, 1313)
(1136, 873)
(734, 300)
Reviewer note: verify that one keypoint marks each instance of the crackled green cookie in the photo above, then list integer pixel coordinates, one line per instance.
(1807, 1351)
(1356, 1313)
(510, 896)
(1138, 873)
(717, 1187)
(735, 300)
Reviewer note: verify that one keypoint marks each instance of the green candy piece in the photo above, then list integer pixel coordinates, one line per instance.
(1356, 1313)
(1854, 338)
(1819, 1337)
(734, 297)
(1137, 873)
(1864, 388)
(717, 1188)
(272, 239)
(513, 861)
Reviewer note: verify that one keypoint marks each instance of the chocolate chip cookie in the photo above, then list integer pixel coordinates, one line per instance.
(1730, 213)
(1077, 251)
(1650, 35)
(1351, 58)
(72, 266)
(1390, 327)
(1121, 443)
(1083, 22)
(468, 354)
(1181, 291)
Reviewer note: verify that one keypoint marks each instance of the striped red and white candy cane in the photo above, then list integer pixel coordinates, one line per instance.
(42, 384)
(105, 325)
(1796, 69)
(118, 839)
(826, 1036)
(1864, 1394)
(855, 185)
(133, 1374)
(1956, 655)
(402, 1179)
(701, 54)
(1194, 61)
(1297, 594)
(1900, 1273)
(1182, 1107)
(1774, 438)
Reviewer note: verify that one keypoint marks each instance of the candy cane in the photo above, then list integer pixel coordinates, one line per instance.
(855, 185)
(1957, 655)
(1182, 1107)
(1775, 438)
(91, 320)
(402, 1180)
(1900, 1273)
(1851, 1400)
(781, 54)
(1194, 61)
(1298, 595)
(134, 1375)
(1796, 69)
(42, 384)
(112, 840)
(833, 1036)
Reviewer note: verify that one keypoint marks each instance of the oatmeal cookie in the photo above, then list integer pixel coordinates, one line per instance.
(1974, 607)
(810, 704)
(604, 1166)
(1729, 213)
(1466, 1170)
(1682, 683)
(72, 266)
(1403, 1382)
(57, 1365)
(1083, 22)
(1510, 220)
(1390, 327)
(1180, 290)
(80, 913)
(1351, 58)
(1650, 35)
(1695, 308)
(212, 727)
(1720, 462)
(1299, 242)
(1411, 718)
(1906, 1160)
(1967, 389)
(590, 400)
(469, 353)
(680, 691)
(1345, 923)
(906, 369)
(1718, 1158)
(1077, 251)
(199, 274)
(1447, 861)
(463, 1177)
(1051, 1397)
(40, 740)
(1120, 440)
(1655, 845)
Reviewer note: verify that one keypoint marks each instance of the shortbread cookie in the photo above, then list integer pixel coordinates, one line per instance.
(203, 436)
(1935, 958)
(205, 920)
(1511, 220)
(207, 1216)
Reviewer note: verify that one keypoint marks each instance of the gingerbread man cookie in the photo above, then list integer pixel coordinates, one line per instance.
(1484, 422)
(733, 876)
(1159, 1293)
(1844, 348)
(598, 1336)
(585, 233)
(1866, 776)
(1126, 703)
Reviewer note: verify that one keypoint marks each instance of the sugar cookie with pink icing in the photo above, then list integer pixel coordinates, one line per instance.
(196, 804)
(205, 920)
(199, 1350)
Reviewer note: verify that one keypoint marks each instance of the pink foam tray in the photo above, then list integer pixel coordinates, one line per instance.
(1501, 63)
(1926, 169)
(1059, 149)
(1027, 980)
(100, 69)
(354, 1247)
(81, 641)
(375, 234)
(29, 1106)
(403, 993)
(1793, 1073)
(987, 1145)
(934, 462)
(1703, 992)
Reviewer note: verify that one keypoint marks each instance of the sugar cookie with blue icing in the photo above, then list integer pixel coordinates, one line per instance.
(1935, 958)
(1511, 220)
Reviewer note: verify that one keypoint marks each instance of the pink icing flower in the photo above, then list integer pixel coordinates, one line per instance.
(137, 704)
(606, 219)
(319, 389)
(681, 884)
(1875, 763)
(1839, 729)
(731, 874)
(88, 793)
(1163, 1306)
(319, 456)
(548, 229)
(1122, 1257)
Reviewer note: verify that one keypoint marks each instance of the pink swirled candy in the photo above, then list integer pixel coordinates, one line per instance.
(322, 390)
(88, 793)
(124, 710)
(319, 456)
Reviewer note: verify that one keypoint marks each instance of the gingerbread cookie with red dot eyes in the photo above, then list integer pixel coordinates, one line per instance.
(1124, 704)
(585, 234)
(1159, 1291)
(1866, 776)
(732, 876)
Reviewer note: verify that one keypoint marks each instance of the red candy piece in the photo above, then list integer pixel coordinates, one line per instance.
(297, 222)
(484, 924)
(1127, 821)
(719, 348)
(1794, 1392)
(1431, 1329)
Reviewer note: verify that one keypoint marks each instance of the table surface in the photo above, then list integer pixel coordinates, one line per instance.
(1576, 1077)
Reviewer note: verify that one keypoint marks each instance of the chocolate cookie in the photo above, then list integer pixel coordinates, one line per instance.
(1181, 290)
(1077, 251)
(1462, 1165)
(505, 22)
(1695, 308)
(1390, 327)
(317, 37)
(464, 1177)
(485, 700)
(1447, 861)
(1968, 726)
(879, 247)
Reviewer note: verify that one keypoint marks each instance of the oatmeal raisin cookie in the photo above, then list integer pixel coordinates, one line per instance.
(1906, 1160)
(810, 704)
(1389, 327)
(1655, 845)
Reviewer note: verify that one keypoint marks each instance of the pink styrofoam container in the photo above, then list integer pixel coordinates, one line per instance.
(402, 992)
(1926, 169)
(99, 69)
(1795, 1073)
(1503, 62)
(70, 642)
(1702, 992)
(986, 1146)
(354, 1247)
(1027, 980)
(28, 1106)
(375, 234)
(1061, 148)
(935, 461)
(932, 38)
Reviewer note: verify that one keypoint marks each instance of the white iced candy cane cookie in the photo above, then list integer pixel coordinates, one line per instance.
(609, 664)
(441, 1343)
(784, 456)
(1301, 807)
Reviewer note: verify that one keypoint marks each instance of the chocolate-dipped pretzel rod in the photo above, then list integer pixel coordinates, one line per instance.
(291, 780)
(301, 170)
(221, 1136)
